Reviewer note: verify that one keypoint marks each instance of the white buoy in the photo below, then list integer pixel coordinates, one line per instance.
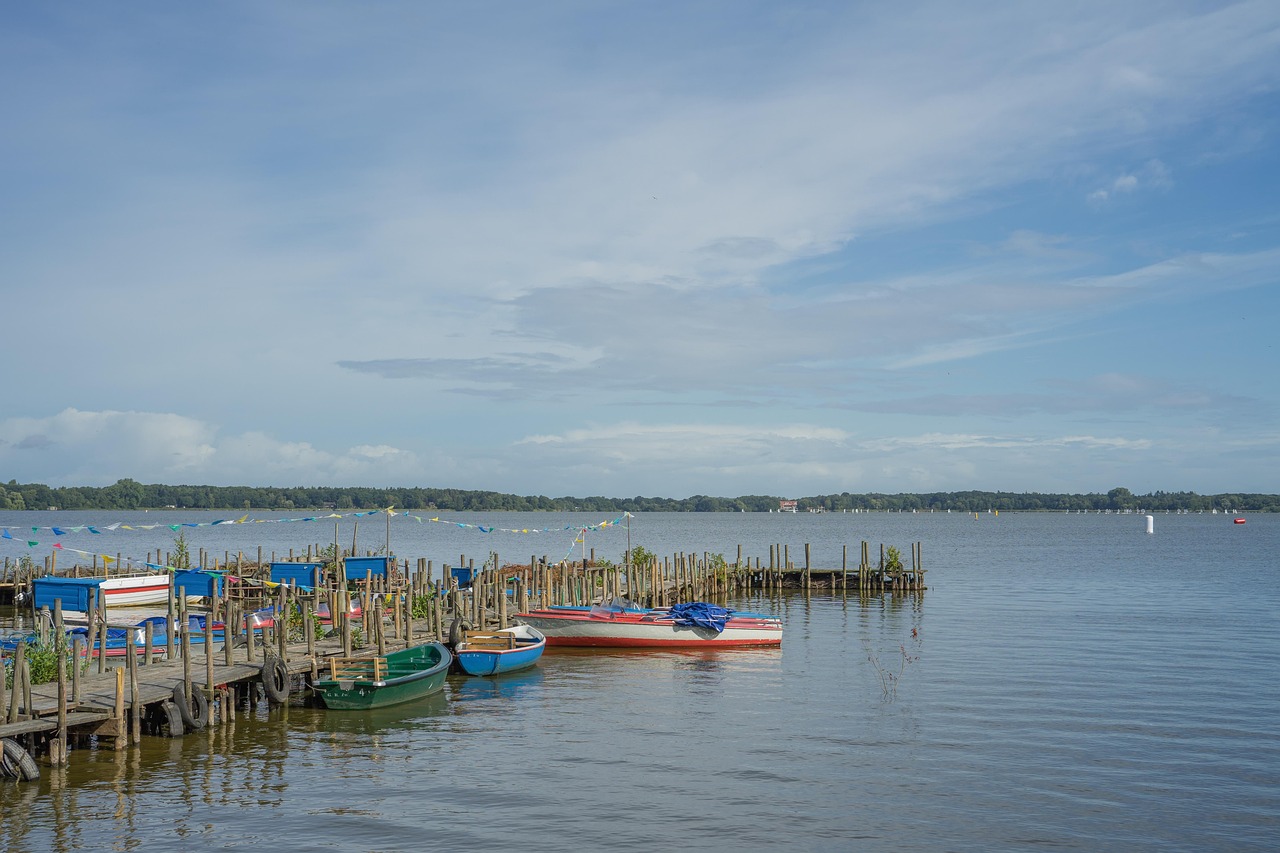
(1151, 524)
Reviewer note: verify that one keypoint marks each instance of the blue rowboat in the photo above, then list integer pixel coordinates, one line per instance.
(496, 652)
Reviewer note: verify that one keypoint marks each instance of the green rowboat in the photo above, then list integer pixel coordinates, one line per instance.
(358, 684)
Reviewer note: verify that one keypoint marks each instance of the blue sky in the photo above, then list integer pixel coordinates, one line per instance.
(589, 248)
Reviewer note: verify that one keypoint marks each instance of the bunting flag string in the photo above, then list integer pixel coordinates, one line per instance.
(580, 530)
(485, 529)
(245, 519)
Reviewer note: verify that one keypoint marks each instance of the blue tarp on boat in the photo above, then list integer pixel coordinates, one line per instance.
(194, 582)
(357, 567)
(700, 614)
(74, 593)
(298, 574)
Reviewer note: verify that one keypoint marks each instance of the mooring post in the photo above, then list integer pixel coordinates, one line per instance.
(173, 623)
(407, 606)
(120, 728)
(308, 627)
(3, 713)
(250, 637)
(345, 625)
(502, 601)
(135, 706)
(377, 628)
(282, 621)
(186, 662)
(101, 607)
(230, 619)
(75, 672)
(27, 708)
(208, 654)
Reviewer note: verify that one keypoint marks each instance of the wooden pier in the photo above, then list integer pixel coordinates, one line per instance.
(177, 686)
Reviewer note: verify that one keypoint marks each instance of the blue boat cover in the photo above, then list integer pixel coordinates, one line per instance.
(305, 575)
(700, 614)
(357, 567)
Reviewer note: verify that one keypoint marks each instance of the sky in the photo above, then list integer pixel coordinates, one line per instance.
(642, 248)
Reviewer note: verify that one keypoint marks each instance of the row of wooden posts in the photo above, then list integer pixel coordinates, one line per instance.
(411, 606)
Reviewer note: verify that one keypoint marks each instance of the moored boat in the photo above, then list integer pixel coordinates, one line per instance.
(496, 652)
(621, 625)
(79, 595)
(358, 684)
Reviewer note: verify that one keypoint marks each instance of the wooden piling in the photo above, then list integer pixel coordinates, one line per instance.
(135, 706)
(58, 749)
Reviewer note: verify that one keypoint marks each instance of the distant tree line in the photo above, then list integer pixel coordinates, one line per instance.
(130, 494)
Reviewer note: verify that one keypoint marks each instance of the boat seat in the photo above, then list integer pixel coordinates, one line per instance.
(351, 669)
(479, 640)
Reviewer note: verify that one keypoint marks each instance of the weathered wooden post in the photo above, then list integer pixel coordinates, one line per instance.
(118, 711)
(437, 609)
(309, 627)
(75, 672)
(208, 655)
(251, 636)
(58, 749)
(173, 624)
(230, 623)
(186, 661)
(100, 606)
(135, 706)
(501, 583)
(19, 661)
(408, 619)
(283, 609)
(102, 645)
(346, 629)
(376, 604)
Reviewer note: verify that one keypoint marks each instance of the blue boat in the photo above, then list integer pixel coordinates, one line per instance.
(120, 641)
(496, 652)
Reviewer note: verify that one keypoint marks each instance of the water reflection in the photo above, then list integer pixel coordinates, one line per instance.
(509, 687)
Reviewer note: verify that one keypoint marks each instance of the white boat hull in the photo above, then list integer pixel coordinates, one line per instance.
(582, 629)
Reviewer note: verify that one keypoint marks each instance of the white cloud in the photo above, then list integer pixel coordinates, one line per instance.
(97, 448)
(1153, 175)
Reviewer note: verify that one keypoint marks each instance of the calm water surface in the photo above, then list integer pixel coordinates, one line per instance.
(1067, 682)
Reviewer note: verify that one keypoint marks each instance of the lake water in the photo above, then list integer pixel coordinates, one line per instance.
(1068, 682)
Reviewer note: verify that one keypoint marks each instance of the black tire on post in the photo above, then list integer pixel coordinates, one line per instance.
(275, 680)
(456, 631)
(17, 762)
(170, 720)
(194, 710)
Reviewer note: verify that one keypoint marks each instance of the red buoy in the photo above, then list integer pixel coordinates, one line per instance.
(1239, 521)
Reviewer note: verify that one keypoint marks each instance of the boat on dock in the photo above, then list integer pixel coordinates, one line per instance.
(119, 642)
(360, 684)
(497, 652)
(79, 595)
(620, 624)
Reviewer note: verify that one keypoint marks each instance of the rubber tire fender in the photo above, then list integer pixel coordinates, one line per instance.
(172, 719)
(17, 762)
(195, 715)
(456, 631)
(275, 680)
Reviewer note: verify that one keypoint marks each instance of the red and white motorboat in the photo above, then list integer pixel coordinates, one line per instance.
(619, 626)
